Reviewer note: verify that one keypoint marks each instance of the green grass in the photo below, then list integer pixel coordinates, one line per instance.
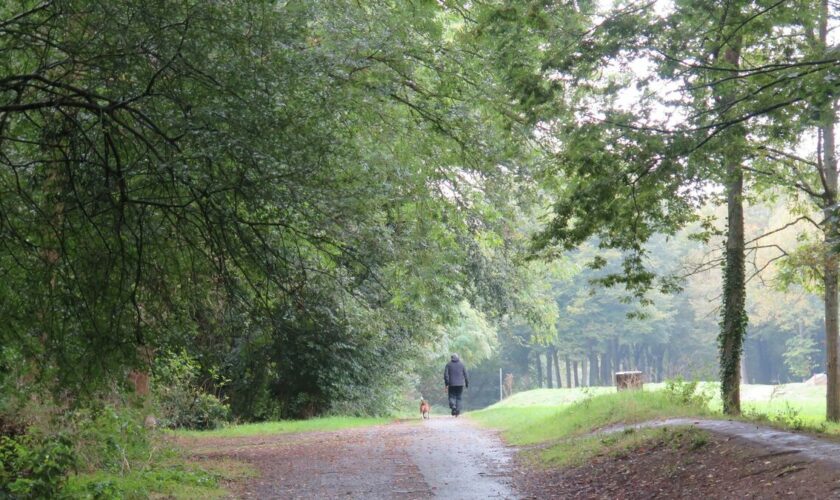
(286, 426)
(563, 430)
(559, 423)
(522, 425)
(174, 479)
(585, 448)
(794, 405)
(552, 397)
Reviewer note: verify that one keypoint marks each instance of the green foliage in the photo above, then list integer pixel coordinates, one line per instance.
(799, 355)
(33, 467)
(301, 209)
(686, 393)
(109, 438)
(790, 417)
(180, 396)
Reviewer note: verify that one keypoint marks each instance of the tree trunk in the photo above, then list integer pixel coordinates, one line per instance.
(549, 372)
(539, 371)
(594, 370)
(734, 324)
(734, 320)
(744, 369)
(660, 366)
(584, 371)
(830, 235)
(556, 367)
(605, 368)
(568, 371)
(575, 372)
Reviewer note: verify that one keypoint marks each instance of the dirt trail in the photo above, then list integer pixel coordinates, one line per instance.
(443, 457)
(451, 458)
(459, 461)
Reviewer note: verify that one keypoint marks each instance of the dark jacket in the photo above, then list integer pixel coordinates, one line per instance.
(455, 373)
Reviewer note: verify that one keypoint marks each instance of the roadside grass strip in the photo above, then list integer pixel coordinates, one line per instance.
(560, 426)
(286, 426)
(583, 449)
(174, 478)
(566, 434)
(537, 424)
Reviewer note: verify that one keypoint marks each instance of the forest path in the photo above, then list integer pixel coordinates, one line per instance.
(449, 457)
(444, 457)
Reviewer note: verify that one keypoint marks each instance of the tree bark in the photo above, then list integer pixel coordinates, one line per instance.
(549, 372)
(660, 366)
(831, 272)
(594, 370)
(539, 372)
(605, 368)
(556, 367)
(568, 371)
(734, 316)
(830, 235)
(584, 371)
(575, 373)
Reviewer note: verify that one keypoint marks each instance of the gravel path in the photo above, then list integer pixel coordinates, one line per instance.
(460, 461)
(442, 457)
(450, 458)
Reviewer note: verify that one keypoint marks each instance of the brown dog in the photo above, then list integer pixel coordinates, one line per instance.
(425, 408)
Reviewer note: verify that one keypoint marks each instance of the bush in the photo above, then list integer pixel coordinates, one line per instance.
(180, 398)
(34, 468)
(686, 393)
(109, 438)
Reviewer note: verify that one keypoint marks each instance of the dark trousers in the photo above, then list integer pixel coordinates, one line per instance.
(455, 392)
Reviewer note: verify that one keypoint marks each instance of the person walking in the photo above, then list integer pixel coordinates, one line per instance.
(455, 379)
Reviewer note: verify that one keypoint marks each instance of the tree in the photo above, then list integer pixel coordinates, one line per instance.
(272, 187)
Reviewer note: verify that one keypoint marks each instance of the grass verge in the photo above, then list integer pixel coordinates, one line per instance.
(174, 478)
(564, 435)
(536, 424)
(583, 449)
(286, 426)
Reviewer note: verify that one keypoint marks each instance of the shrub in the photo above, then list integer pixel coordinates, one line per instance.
(790, 417)
(34, 468)
(686, 393)
(109, 438)
(181, 399)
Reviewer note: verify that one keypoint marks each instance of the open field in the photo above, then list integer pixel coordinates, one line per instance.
(808, 401)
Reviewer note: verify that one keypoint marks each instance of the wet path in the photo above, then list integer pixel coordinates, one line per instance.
(459, 461)
(439, 458)
(450, 458)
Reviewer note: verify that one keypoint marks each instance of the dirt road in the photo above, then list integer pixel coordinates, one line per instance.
(450, 458)
(443, 457)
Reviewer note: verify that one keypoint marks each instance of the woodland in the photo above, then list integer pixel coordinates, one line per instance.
(257, 210)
